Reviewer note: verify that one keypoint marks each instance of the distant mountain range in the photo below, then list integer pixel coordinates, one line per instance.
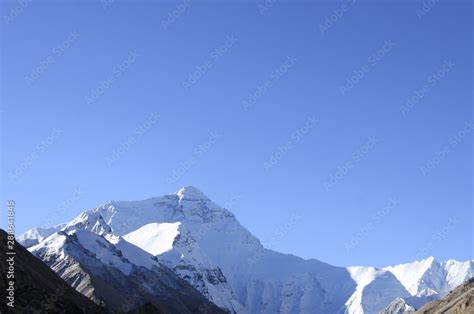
(184, 253)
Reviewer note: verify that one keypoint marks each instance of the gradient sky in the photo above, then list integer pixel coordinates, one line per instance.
(340, 131)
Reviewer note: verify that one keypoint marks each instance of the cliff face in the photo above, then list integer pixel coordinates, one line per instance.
(184, 240)
(458, 301)
(37, 287)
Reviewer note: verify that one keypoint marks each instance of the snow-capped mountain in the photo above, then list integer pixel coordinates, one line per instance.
(37, 234)
(375, 289)
(204, 244)
(428, 277)
(117, 272)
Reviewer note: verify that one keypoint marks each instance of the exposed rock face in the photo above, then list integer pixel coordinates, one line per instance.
(101, 271)
(458, 301)
(398, 306)
(205, 245)
(38, 288)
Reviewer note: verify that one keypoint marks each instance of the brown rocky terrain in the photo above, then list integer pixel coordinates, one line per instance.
(38, 289)
(458, 301)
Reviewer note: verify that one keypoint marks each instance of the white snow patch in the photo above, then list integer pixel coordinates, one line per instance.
(154, 238)
(36, 235)
(191, 193)
(410, 274)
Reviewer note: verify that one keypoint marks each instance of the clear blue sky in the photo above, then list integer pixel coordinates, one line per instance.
(305, 119)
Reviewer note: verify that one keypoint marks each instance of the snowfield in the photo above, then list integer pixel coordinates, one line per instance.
(155, 238)
(204, 244)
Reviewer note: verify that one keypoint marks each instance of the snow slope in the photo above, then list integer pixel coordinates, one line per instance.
(204, 244)
(113, 273)
(428, 277)
(375, 289)
(155, 238)
(36, 235)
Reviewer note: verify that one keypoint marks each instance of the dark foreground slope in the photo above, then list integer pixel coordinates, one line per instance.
(37, 288)
(458, 301)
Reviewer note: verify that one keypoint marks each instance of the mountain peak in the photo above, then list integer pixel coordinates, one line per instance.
(191, 193)
(428, 261)
(90, 220)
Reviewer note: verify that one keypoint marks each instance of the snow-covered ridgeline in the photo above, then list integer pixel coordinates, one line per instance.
(205, 245)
